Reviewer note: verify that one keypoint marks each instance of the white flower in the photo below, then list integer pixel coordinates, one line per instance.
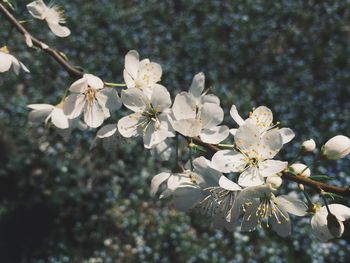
(46, 112)
(7, 60)
(309, 145)
(141, 74)
(89, 96)
(261, 205)
(53, 15)
(326, 226)
(151, 115)
(300, 169)
(262, 117)
(252, 158)
(198, 114)
(336, 147)
(187, 187)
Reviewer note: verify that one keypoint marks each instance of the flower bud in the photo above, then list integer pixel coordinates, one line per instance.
(335, 227)
(336, 147)
(300, 169)
(274, 181)
(309, 145)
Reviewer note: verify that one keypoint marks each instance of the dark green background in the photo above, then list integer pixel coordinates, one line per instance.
(60, 202)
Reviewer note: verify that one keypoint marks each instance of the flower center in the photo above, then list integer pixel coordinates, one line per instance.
(90, 95)
(150, 115)
(5, 50)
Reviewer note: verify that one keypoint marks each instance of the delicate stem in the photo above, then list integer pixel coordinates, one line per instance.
(111, 84)
(227, 145)
(177, 148)
(190, 145)
(308, 198)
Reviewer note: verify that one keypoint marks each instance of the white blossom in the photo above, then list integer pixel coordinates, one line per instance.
(7, 60)
(252, 159)
(52, 14)
(337, 147)
(197, 114)
(151, 115)
(89, 97)
(326, 226)
(260, 205)
(187, 187)
(262, 117)
(300, 169)
(309, 145)
(46, 112)
(141, 74)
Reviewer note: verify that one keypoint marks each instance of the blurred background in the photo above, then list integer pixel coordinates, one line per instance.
(62, 202)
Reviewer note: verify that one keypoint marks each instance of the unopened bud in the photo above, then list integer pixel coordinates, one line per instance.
(336, 147)
(335, 227)
(309, 145)
(275, 181)
(300, 169)
(301, 187)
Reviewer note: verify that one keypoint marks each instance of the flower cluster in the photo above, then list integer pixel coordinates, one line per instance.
(237, 187)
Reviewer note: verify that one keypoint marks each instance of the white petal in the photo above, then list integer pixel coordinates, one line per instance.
(187, 197)
(162, 151)
(319, 227)
(342, 212)
(270, 144)
(129, 81)
(5, 62)
(282, 226)
(79, 86)
(228, 161)
(250, 177)
(73, 105)
(287, 135)
(94, 81)
(197, 85)
(94, 114)
(250, 219)
(41, 106)
(292, 205)
(235, 116)
(262, 117)
(160, 98)
(215, 134)
(157, 181)
(247, 137)
(128, 126)
(188, 127)
(59, 119)
(134, 99)
(233, 131)
(184, 106)
(39, 116)
(106, 131)
(37, 9)
(16, 65)
(149, 74)
(210, 115)
(132, 61)
(210, 98)
(58, 30)
(227, 184)
(154, 135)
(108, 98)
(202, 168)
(271, 167)
(178, 180)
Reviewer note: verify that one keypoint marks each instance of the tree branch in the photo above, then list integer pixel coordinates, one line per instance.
(72, 71)
(213, 148)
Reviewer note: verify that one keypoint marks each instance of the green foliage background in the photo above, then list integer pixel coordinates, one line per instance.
(61, 202)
